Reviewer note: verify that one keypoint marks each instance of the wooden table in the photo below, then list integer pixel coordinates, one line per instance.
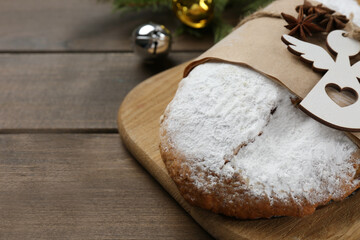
(65, 67)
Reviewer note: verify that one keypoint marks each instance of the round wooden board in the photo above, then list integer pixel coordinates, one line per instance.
(138, 122)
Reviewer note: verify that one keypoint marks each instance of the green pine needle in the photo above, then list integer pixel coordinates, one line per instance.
(249, 6)
(136, 5)
(220, 29)
(218, 26)
(219, 7)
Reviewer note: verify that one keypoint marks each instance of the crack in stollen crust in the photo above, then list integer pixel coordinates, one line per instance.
(227, 199)
(237, 189)
(244, 144)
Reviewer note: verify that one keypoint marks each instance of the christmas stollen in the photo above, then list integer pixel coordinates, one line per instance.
(233, 141)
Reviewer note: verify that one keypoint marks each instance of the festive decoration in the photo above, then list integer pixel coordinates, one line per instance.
(216, 24)
(313, 19)
(331, 22)
(194, 13)
(340, 76)
(301, 26)
(151, 41)
(310, 9)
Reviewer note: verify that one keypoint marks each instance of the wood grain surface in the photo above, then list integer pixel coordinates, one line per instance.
(82, 186)
(65, 67)
(70, 91)
(79, 25)
(138, 121)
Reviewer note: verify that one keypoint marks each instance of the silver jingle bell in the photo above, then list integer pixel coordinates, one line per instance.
(151, 41)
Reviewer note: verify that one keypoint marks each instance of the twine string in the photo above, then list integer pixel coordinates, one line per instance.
(354, 30)
(256, 15)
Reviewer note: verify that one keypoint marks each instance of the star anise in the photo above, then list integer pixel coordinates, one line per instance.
(333, 21)
(311, 9)
(302, 26)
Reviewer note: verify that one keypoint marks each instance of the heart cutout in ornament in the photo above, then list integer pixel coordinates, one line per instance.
(341, 96)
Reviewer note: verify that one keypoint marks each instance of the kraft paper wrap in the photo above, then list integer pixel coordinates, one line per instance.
(257, 44)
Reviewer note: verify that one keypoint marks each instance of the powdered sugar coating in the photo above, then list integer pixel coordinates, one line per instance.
(220, 107)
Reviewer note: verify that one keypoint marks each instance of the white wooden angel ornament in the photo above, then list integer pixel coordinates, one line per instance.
(339, 75)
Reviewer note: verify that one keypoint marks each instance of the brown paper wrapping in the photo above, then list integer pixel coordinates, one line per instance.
(257, 44)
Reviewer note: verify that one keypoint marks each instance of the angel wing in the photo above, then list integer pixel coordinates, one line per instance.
(309, 52)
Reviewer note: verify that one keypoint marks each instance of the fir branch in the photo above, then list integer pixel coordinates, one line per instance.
(220, 29)
(249, 6)
(191, 31)
(131, 5)
(218, 26)
(219, 7)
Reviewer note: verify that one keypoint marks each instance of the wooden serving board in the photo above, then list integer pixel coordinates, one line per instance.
(138, 121)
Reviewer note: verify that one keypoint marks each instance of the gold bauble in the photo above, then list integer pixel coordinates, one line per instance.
(194, 13)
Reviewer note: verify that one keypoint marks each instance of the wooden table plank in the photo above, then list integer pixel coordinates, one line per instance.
(85, 186)
(70, 91)
(79, 25)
